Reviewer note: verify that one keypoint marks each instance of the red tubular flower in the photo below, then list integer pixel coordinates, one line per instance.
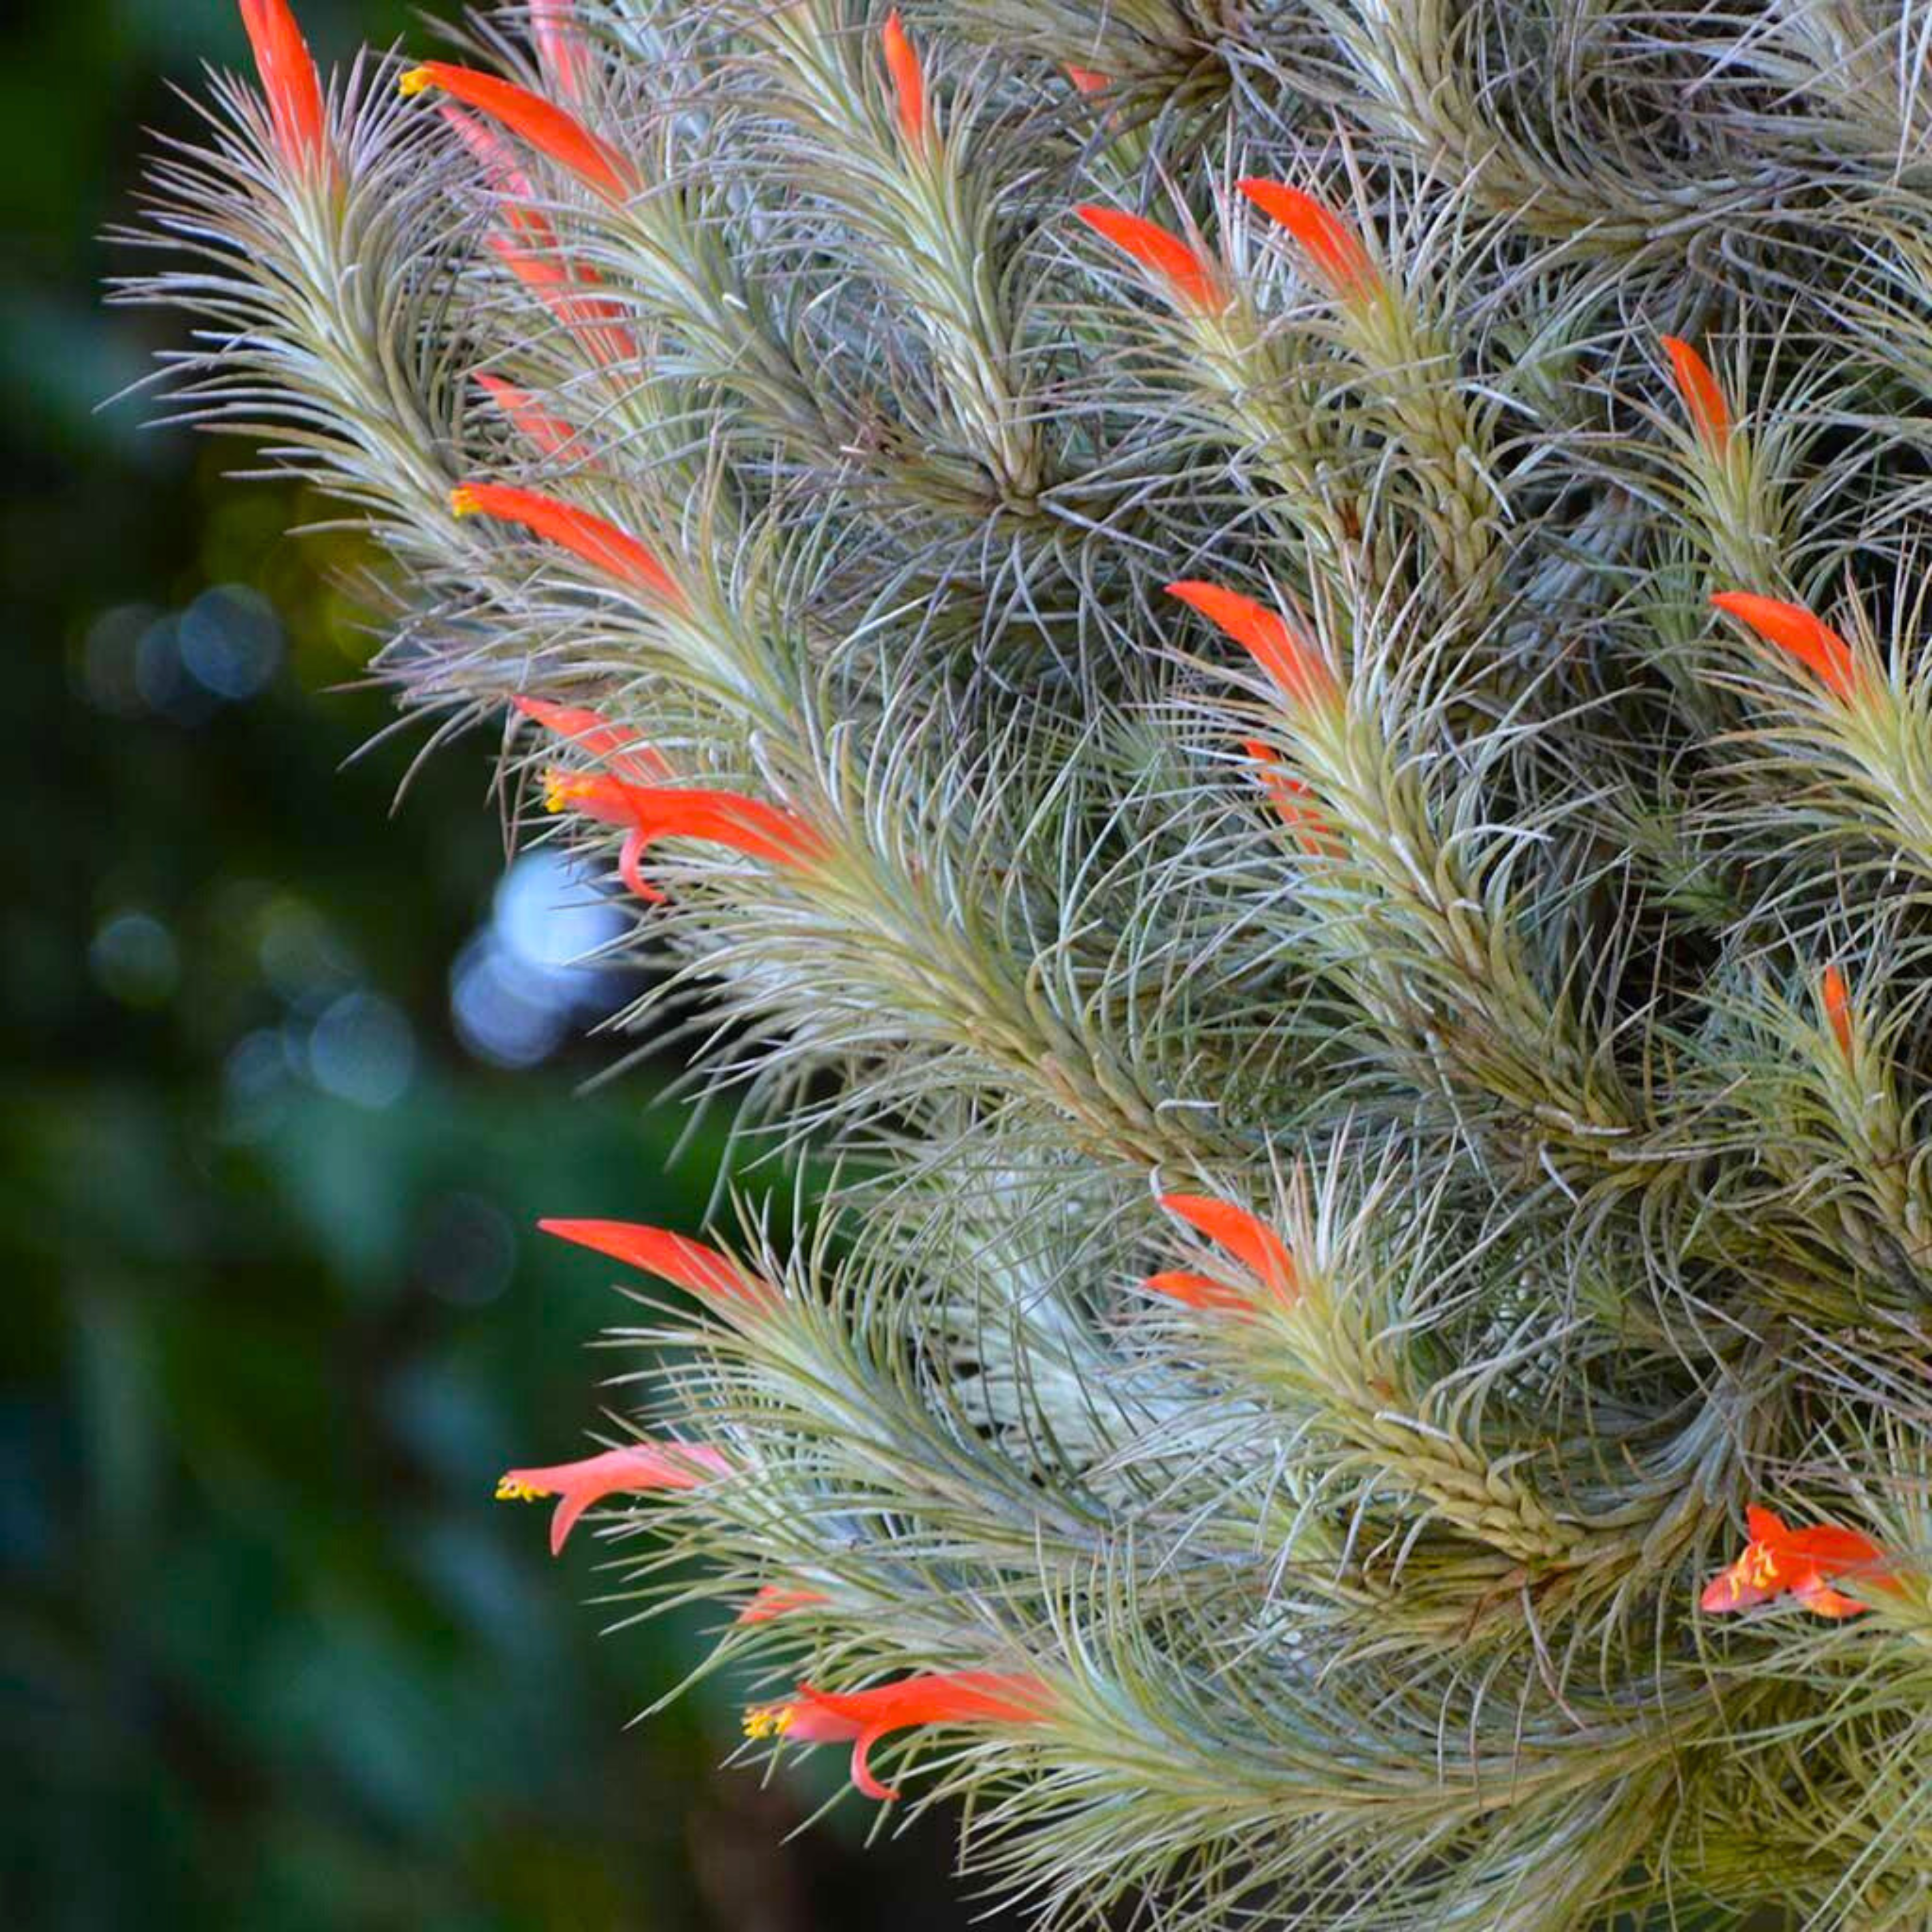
(1088, 79)
(1309, 827)
(715, 1279)
(648, 813)
(1801, 1560)
(545, 126)
(289, 81)
(774, 1601)
(1189, 280)
(642, 1467)
(862, 1717)
(908, 83)
(598, 542)
(559, 45)
(549, 435)
(501, 168)
(1289, 656)
(1836, 999)
(1198, 1290)
(1336, 251)
(622, 749)
(1793, 628)
(1246, 1236)
(1703, 400)
(560, 287)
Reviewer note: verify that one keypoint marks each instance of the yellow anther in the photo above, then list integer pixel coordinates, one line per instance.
(562, 787)
(463, 503)
(767, 1720)
(417, 80)
(509, 1490)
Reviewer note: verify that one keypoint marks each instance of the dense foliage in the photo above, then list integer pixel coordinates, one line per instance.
(1130, 592)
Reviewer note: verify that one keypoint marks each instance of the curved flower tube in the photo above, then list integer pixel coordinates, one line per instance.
(651, 812)
(1793, 628)
(862, 1717)
(594, 539)
(776, 1600)
(558, 39)
(643, 1467)
(1703, 399)
(1834, 997)
(1292, 798)
(559, 136)
(1189, 280)
(290, 82)
(715, 1279)
(908, 83)
(1247, 1237)
(1337, 253)
(1291, 657)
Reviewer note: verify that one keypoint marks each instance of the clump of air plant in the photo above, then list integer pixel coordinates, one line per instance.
(1263, 677)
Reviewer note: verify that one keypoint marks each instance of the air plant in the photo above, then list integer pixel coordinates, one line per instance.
(1261, 675)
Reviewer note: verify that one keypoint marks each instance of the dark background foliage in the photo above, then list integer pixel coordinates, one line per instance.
(288, 1078)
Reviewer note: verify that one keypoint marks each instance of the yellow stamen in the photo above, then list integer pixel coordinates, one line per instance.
(768, 1720)
(417, 80)
(561, 788)
(463, 503)
(510, 1491)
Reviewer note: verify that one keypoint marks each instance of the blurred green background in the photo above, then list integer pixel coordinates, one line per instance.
(288, 1078)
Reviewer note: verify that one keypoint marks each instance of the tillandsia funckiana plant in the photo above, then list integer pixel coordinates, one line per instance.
(1259, 676)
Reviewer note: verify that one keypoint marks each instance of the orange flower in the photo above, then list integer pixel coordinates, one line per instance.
(1802, 1561)
(1247, 1237)
(1197, 1290)
(908, 83)
(1189, 279)
(862, 1717)
(643, 1466)
(598, 543)
(545, 126)
(649, 813)
(501, 169)
(290, 82)
(1309, 827)
(1793, 628)
(1336, 250)
(1089, 80)
(1710, 414)
(774, 1600)
(549, 435)
(1836, 999)
(560, 286)
(1289, 655)
(715, 1279)
(623, 747)
(559, 44)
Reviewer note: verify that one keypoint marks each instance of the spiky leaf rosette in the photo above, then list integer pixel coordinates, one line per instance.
(1259, 676)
